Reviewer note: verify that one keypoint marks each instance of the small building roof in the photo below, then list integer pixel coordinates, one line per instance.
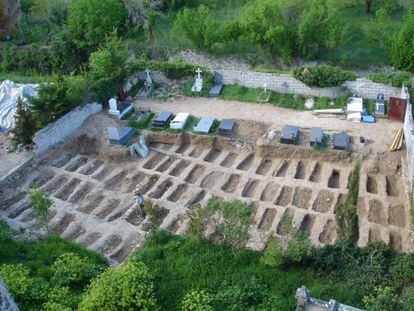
(290, 132)
(316, 135)
(163, 116)
(205, 124)
(227, 124)
(340, 141)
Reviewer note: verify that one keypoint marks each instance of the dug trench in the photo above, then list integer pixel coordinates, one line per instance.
(93, 193)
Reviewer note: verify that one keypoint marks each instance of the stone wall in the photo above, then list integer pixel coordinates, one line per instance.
(156, 76)
(6, 301)
(60, 129)
(285, 83)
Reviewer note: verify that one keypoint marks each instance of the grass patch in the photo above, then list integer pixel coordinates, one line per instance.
(143, 124)
(236, 280)
(24, 79)
(135, 89)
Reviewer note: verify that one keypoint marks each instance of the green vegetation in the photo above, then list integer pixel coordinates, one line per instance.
(397, 79)
(127, 288)
(323, 76)
(25, 125)
(50, 274)
(347, 213)
(40, 204)
(143, 124)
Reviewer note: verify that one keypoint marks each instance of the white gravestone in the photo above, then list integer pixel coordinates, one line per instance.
(113, 108)
(198, 84)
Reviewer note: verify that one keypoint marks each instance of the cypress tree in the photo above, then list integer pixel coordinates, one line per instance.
(25, 125)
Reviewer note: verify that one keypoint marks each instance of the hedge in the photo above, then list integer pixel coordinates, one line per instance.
(323, 76)
(396, 79)
(172, 70)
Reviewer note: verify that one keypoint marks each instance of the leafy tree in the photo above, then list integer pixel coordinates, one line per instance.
(107, 68)
(198, 26)
(40, 203)
(57, 98)
(25, 125)
(383, 299)
(347, 213)
(90, 21)
(127, 288)
(196, 301)
(292, 247)
(402, 44)
(74, 271)
(291, 27)
(230, 221)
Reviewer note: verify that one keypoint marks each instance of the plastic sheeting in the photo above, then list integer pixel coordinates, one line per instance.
(9, 93)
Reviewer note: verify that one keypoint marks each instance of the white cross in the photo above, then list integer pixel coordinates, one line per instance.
(199, 73)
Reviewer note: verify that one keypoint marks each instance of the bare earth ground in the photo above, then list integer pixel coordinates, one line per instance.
(10, 161)
(91, 182)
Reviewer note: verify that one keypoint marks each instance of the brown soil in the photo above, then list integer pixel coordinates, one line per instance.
(397, 216)
(285, 196)
(179, 168)
(229, 160)
(270, 192)
(324, 201)
(267, 219)
(302, 197)
(196, 172)
(377, 213)
(264, 167)
(250, 188)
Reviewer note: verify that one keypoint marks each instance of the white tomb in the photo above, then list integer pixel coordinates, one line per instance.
(115, 111)
(198, 84)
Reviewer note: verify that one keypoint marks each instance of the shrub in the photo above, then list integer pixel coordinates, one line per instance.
(57, 98)
(402, 44)
(323, 76)
(383, 299)
(346, 214)
(40, 203)
(198, 26)
(172, 70)
(396, 79)
(127, 288)
(90, 21)
(69, 269)
(196, 301)
(154, 212)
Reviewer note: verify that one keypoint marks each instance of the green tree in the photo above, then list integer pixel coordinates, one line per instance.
(347, 213)
(25, 125)
(196, 301)
(291, 27)
(40, 203)
(90, 21)
(383, 299)
(230, 220)
(58, 98)
(107, 68)
(402, 44)
(69, 269)
(127, 288)
(198, 26)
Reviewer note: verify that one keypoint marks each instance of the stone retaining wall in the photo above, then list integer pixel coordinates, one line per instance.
(285, 83)
(60, 129)
(6, 301)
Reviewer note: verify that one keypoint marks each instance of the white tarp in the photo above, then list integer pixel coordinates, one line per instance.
(9, 93)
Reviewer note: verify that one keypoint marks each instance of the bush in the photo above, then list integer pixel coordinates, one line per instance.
(172, 70)
(402, 44)
(25, 125)
(127, 288)
(90, 21)
(384, 299)
(40, 204)
(57, 98)
(323, 76)
(196, 301)
(198, 26)
(396, 79)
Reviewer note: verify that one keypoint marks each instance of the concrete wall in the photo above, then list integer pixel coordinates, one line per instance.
(60, 129)
(6, 301)
(285, 83)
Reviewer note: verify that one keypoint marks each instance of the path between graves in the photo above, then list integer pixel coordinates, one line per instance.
(381, 132)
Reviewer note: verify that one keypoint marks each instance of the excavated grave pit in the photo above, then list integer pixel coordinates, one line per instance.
(96, 194)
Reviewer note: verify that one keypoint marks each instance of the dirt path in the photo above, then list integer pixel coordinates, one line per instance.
(381, 132)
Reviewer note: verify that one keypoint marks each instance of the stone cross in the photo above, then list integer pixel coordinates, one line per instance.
(148, 73)
(199, 73)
